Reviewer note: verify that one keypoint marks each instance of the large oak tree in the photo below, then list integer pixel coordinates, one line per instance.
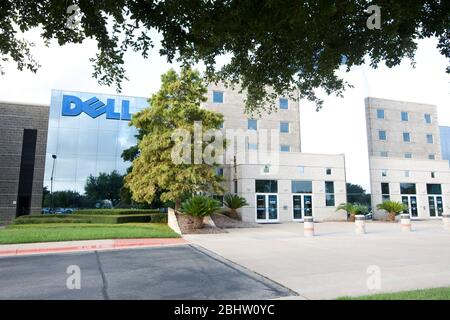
(155, 168)
(280, 44)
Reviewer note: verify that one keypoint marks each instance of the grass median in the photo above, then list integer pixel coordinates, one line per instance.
(81, 231)
(425, 294)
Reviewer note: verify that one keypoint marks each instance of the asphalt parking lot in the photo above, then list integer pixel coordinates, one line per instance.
(178, 272)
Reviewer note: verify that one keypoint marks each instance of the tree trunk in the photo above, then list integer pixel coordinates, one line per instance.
(234, 214)
(351, 217)
(177, 204)
(391, 216)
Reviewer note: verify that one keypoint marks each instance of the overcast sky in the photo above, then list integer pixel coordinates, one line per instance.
(338, 128)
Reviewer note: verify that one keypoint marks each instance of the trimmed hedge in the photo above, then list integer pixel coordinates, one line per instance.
(99, 219)
(115, 212)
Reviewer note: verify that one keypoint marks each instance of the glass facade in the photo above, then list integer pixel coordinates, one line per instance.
(445, 142)
(87, 136)
(266, 186)
(301, 186)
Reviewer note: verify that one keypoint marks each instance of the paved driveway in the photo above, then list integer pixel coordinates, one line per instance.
(338, 262)
(181, 272)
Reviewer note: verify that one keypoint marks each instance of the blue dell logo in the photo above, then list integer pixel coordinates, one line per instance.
(73, 106)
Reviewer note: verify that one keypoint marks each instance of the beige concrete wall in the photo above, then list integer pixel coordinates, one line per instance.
(419, 173)
(315, 166)
(394, 127)
(235, 117)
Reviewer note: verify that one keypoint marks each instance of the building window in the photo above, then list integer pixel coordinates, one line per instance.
(266, 186)
(284, 127)
(382, 135)
(301, 186)
(284, 103)
(427, 117)
(218, 198)
(433, 174)
(252, 146)
(406, 137)
(434, 188)
(405, 116)
(301, 169)
(407, 188)
(407, 173)
(328, 171)
(221, 125)
(219, 172)
(408, 155)
(252, 124)
(432, 156)
(217, 97)
(285, 148)
(385, 194)
(380, 113)
(383, 154)
(329, 194)
(384, 173)
(430, 138)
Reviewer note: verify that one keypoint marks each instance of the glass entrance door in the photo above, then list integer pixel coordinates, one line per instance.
(301, 206)
(436, 206)
(266, 208)
(411, 203)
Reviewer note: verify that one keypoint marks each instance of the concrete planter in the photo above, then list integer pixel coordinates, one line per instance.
(405, 221)
(360, 224)
(187, 222)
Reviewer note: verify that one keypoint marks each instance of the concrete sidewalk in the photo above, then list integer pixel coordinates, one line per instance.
(84, 245)
(337, 262)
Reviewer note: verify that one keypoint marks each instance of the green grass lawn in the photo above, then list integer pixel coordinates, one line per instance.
(82, 231)
(425, 294)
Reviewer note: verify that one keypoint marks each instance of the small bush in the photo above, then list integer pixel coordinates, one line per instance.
(98, 219)
(37, 219)
(158, 218)
(200, 206)
(114, 212)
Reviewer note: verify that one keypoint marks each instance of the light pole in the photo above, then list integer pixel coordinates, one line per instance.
(51, 183)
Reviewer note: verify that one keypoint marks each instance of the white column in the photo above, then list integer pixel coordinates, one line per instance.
(405, 221)
(360, 224)
(308, 227)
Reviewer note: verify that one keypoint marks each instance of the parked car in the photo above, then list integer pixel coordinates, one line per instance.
(46, 211)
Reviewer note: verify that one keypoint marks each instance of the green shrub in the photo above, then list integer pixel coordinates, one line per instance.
(37, 219)
(158, 218)
(114, 212)
(200, 206)
(98, 219)
(233, 201)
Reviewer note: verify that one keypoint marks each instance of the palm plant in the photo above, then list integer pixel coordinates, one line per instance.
(234, 202)
(196, 208)
(200, 206)
(352, 209)
(392, 208)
